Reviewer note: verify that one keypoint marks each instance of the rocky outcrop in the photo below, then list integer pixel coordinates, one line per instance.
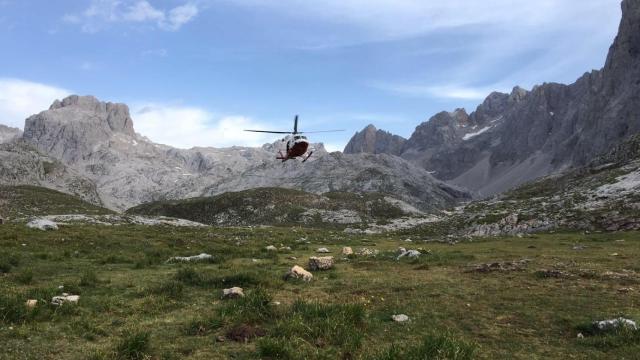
(22, 164)
(8, 134)
(373, 141)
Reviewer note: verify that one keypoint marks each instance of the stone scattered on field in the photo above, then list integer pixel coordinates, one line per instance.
(367, 252)
(31, 303)
(271, 248)
(285, 248)
(292, 258)
(578, 247)
(323, 251)
(408, 253)
(501, 266)
(554, 273)
(612, 324)
(220, 338)
(400, 318)
(298, 272)
(346, 251)
(580, 336)
(65, 298)
(42, 224)
(320, 263)
(232, 293)
(615, 254)
(200, 257)
(625, 290)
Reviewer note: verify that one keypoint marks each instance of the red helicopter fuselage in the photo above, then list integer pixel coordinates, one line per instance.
(297, 146)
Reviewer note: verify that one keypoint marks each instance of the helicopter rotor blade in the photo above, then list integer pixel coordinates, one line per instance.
(322, 131)
(269, 132)
(295, 125)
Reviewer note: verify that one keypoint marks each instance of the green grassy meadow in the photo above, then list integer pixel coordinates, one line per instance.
(134, 305)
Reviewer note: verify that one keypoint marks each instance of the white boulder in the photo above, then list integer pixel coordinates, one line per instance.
(65, 298)
(616, 323)
(400, 318)
(232, 293)
(201, 257)
(346, 251)
(298, 272)
(42, 224)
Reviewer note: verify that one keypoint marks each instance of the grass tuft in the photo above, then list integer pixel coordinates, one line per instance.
(433, 347)
(134, 345)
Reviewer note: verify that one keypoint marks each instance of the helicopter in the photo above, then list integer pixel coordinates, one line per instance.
(297, 145)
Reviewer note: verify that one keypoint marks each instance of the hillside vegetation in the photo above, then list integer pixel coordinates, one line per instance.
(27, 201)
(276, 206)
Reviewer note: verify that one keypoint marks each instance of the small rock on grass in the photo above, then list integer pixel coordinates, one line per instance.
(367, 252)
(400, 318)
(31, 303)
(271, 248)
(408, 253)
(323, 250)
(232, 293)
(298, 272)
(320, 263)
(615, 324)
(194, 258)
(65, 298)
(346, 251)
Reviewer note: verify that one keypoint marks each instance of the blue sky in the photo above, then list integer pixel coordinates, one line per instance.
(196, 72)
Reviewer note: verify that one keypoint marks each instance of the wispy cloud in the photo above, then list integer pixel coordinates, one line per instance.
(400, 18)
(188, 126)
(453, 92)
(155, 52)
(20, 99)
(102, 13)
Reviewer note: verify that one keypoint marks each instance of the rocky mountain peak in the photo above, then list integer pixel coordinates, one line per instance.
(373, 141)
(517, 94)
(623, 60)
(77, 126)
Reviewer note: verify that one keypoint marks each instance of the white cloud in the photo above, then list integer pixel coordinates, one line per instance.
(155, 52)
(179, 16)
(20, 99)
(142, 11)
(186, 127)
(101, 13)
(401, 18)
(457, 92)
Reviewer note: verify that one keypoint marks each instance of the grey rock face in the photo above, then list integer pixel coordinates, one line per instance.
(373, 141)
(8, 134)
(22, 164)
(512, 139)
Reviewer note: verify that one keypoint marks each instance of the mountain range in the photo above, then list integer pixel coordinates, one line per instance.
(89, 148)
(514, 138)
